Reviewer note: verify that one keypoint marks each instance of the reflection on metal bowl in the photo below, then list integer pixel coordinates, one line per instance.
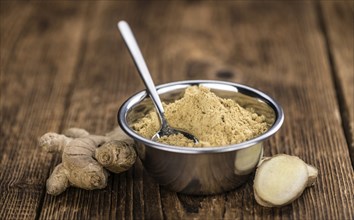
(201, 171)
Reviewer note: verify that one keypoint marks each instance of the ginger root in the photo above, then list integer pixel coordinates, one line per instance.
(281, 179)
(86, 157)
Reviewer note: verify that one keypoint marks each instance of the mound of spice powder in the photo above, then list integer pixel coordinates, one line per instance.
(213, 120)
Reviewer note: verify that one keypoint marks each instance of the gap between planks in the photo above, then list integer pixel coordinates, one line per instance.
(343, 107)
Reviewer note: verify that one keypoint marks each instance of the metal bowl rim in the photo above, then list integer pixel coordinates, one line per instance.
(279, 118)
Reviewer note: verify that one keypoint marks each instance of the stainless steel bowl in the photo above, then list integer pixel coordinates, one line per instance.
(201, 171)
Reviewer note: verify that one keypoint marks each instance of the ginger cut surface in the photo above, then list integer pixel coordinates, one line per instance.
(281, 179)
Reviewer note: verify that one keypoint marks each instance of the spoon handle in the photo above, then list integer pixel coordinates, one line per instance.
(135, 52)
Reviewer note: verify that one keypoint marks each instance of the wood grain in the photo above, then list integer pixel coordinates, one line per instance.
(339, 29)
(100, 87)
(65, 65)
(34, 56)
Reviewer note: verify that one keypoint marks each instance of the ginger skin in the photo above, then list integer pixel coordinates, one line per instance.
(86, 158)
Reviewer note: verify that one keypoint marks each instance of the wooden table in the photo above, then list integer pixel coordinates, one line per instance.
(64, 64)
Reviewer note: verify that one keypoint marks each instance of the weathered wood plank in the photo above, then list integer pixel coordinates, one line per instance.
(104, 81)
(11, 28)
(38, 56)
(276, 47)
(339, 29)
(288, 48)
(210, 51)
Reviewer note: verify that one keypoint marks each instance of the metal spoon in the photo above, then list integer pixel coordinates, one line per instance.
(139, 61)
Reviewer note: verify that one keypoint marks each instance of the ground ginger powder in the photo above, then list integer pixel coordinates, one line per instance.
(213, 120)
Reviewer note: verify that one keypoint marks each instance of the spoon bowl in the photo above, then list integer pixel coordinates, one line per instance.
(145, 75)
(171, 131)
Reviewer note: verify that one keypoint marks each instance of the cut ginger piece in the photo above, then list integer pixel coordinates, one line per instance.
(281, 179)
